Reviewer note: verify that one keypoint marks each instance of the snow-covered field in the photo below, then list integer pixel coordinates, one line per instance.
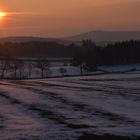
(120, 68)
(54, 71)
(91, 107)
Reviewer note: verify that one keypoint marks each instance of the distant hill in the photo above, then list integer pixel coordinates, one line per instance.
(103, 37)
(34, 39)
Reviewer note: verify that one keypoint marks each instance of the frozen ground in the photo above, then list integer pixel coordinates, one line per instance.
(93, 107)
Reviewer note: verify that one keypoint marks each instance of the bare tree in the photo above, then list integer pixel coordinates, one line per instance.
(21, 69)
(42, 64)
(4, 65)
(29, 65)
(17, 65)
(62, 71)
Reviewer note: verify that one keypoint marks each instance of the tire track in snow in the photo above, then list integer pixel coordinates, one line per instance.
(45, 112)
(44, 116)
(12, 118)
(129, 93)
(78, 106)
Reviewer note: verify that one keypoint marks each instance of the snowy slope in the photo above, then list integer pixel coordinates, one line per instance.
(70, 108)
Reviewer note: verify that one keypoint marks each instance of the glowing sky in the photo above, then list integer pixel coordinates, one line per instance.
(57, 18)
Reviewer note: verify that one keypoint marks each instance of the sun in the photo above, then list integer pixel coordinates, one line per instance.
(2, 15)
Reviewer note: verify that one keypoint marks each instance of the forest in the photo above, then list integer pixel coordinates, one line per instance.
(88, 55)
(91, 56)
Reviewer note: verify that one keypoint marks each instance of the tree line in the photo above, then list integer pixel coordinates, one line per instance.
(37, 49)
(21, 69)
(90, 55)
(87, 56)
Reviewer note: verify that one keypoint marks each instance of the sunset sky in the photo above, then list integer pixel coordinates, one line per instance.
(57, 18)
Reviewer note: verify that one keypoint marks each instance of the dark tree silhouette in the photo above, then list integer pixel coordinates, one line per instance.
(17, 65)
(126, 52)
(4, 65)
(42, 64)
(63, 71)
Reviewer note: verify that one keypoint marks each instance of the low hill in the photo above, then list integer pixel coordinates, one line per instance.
(33, 39)
(103, 37)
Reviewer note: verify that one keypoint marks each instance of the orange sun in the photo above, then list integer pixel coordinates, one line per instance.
(2, 15)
